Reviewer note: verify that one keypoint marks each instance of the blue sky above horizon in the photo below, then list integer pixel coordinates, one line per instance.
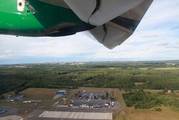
(156, 38)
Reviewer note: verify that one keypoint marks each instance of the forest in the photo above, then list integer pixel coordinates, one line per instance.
(145, 100)
(121, 75)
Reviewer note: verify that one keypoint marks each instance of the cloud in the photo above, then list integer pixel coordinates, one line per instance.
(4, 57)
(7, 51)
(163, 43)
(149, 35)
(158, 15)
(132, 41)
(59, 47)
(173, 46)
(53, 42)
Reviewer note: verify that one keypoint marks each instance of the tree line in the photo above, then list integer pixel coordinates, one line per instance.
(145, 100)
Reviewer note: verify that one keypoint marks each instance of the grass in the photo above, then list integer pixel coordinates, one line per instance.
(48, 108)
(167, 112)
(42, 103)
(116, 94)
(112, 68)
(23, 112)
(177, 93)
(54, 101)
(39, 93)
(166, 68)
(150, 114)
(11, 105)
(143, 68)
(112, 93)
(96, 89)
(11, 94)
(3, 101)
(139, 83)
(119, 98)
(22, 109)
(68, 101)
(27, 107)
(123, 117)
(20, 103)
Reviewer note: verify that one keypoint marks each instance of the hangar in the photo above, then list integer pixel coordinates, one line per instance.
(62, 92)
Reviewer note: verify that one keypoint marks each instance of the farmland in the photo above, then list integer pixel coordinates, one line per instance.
(42, 81)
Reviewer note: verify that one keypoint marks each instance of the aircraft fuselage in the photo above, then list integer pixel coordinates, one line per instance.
(36, 18)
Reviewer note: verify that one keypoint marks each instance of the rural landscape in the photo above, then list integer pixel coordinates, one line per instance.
(120, 90)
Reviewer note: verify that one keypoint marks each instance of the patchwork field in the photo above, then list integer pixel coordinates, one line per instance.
(39, 93)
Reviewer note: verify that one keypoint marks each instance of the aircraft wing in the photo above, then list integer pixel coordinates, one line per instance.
(116, 20)
(111, 22)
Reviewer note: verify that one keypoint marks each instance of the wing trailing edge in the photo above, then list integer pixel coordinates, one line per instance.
(115, 20)
(117, 30)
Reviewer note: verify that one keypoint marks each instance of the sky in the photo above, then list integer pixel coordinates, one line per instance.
(156, 38)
